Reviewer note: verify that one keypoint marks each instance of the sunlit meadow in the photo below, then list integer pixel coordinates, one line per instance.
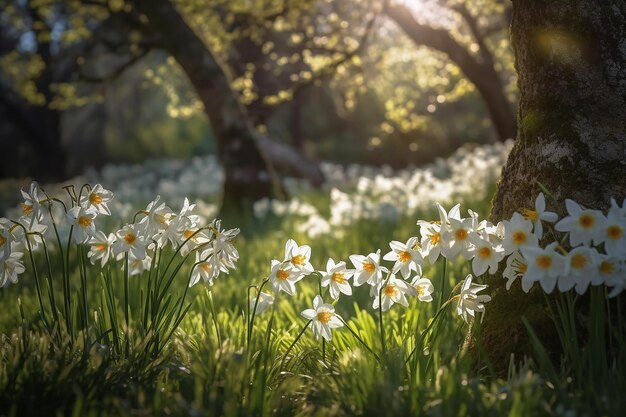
(354, 300)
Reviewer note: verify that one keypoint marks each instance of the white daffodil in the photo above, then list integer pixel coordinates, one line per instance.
(223, 249)
(157, 218)
(516, 267)
(614, 232)
(583, 225)
(206, 268)
(486, 254)
(6, 239)
(83, 222)
(581, 263)
(191, 238)
(130, 240)
(457, 238)
(299, 256)
(139, 266)
(97, 200)
(393, 291)
(406, 256)
(368, 269)
(10, 268)
(283, 277)
(266, 300)
(518, 233)
(323, 318)
(470, 301)
(33, 229)
(544, 265)
(31, 207)
(430, 233)
(101, 247)
(539, 214)
(336, 278)
(424, 288)
(609, 269)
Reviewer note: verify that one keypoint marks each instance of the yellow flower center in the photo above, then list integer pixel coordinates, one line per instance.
(460, 234)
(159, 218)
(130, 238)
(298, 260)
(435, 238)
(615, 232)
(519, 237)
(579, 261)
(543, 261)
(390, 290)
(420, 289)
(324, 316)
(188, 233)
(521, 268)
(368, 266)
(586, 221)
(282, 274)
(338, 277)
(95, 199)
(2, 240)
(26, 209)
(84, 221)
(404, 256)
(100, 247)
(530, 214)
(484, 252)
(607, 267)
(206, 267)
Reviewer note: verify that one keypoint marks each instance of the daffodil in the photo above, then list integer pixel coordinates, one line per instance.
(336, 278)
(10, 268)
(580, 270)
(97, 200)
(393, 291)
(517, 233)
(469, 301)
(299, 257)
(613, 232)
(457, 238)
(583, 225)
(283, 277)
(486, 254)
(368, 269)
(139, 266)
(539, 214)
(266, 300)
(130, 240)
(407, 257)
(516, 267)
(323, 318)
(6, 238)
(206, 268)
(431, 240)
(157, 218)
(31, 207)
(83, 222)
(101, 247)
(544, 265)
(424, 288)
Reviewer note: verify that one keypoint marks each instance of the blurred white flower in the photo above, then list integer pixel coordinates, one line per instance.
(11, 267)
(583, 225)
(266, 300)
(470, 302)
(101, 247)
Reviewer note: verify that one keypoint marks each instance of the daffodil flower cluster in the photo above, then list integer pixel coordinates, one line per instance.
(157, 226)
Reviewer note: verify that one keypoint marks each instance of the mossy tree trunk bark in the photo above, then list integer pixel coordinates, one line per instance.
(571, 60)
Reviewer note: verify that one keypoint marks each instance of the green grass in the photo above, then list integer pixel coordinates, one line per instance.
(207, 368)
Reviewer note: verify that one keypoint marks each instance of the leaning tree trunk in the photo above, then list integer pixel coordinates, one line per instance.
(480, 73)
(249, 159)
(571, 61)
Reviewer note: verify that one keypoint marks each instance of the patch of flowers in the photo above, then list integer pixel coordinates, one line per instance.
(156, 245)
(589, 248)
(359, 192)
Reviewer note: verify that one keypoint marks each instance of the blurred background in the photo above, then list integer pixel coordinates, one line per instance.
(88, 85)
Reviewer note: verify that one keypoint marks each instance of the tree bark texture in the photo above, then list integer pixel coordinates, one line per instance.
(250, 159)
(571, 60)
(480, 73)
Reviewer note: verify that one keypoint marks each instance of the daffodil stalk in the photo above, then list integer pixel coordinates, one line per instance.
(282, 363)
(380, 314)
(252, 315)
(357, 337)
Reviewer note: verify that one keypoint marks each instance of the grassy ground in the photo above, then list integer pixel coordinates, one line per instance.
(209, 368)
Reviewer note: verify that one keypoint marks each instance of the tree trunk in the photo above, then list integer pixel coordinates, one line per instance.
(249, 158)
(571, 61)
(482, 74)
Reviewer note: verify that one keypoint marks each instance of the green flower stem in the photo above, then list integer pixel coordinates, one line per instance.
(443, 282)
(282, 362)
(430, 326)
(357, 337)
(252, 315)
